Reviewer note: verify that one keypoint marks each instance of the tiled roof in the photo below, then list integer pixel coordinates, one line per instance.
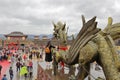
(16, 34)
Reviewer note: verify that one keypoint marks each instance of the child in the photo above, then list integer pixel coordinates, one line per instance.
(4, 77)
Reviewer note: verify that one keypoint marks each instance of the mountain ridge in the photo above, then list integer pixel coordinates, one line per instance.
(31, 36)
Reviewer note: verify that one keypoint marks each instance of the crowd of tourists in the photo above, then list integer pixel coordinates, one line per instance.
(21, 58)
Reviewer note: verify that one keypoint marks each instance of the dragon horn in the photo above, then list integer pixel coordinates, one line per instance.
(110, 20)
(83, 19)
(53, 24)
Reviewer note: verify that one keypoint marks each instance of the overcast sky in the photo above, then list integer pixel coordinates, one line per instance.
(36, 16)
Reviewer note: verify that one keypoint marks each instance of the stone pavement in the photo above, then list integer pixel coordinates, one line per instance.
(96, 73)
(64, 73)
(17, 75)
(5, 65)
(61, 74)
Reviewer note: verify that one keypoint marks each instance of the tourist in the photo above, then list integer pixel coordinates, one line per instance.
(24, 57)
(30, 72)
(41, 54)
(11, 73)
(24, 71)
(0, 69)
(18, 65)
(0, 56)
(37, 54)
(4, 77)
(19, 58)
(30, 56)
(30, 64)
(48, 54)
(12, 59)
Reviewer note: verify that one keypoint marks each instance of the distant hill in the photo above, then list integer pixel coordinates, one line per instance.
(30, 36)
(2, 36)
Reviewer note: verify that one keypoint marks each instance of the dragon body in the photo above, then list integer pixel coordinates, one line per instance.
(93, 44)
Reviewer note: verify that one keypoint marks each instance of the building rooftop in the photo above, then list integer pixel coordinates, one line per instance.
(16, 33)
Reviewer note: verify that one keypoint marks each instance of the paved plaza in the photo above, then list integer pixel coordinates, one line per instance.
(17, 74)
(94, 73)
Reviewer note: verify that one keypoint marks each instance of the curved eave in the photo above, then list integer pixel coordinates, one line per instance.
(16, 36)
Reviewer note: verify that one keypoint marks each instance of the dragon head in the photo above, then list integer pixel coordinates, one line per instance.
(60, 31)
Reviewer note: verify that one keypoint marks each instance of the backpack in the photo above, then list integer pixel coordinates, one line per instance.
(47, 50)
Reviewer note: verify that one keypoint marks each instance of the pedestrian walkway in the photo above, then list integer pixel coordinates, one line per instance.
(5, 66)
(5, 70)
(64, 73)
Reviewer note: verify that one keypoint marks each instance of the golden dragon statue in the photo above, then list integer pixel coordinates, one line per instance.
(92, 44)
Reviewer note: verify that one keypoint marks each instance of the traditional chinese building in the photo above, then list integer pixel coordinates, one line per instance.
(45, 37)
(15, 39)
(16, 36)
(36, 37)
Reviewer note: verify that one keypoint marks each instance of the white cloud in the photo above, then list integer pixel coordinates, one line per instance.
(12, 21)
(36, 16)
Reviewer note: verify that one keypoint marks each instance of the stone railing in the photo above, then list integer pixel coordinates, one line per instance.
(42, 74)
